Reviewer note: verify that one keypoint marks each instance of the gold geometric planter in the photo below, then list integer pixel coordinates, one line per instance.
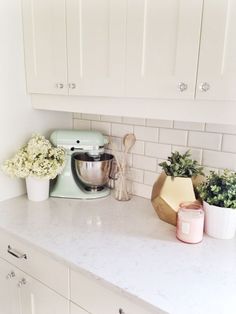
(168, 192)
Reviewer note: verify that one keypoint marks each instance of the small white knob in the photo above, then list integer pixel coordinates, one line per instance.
(22, 282)
(182, 86)
(204, 87)
(72, 85)
(59, 85)
(10, 275)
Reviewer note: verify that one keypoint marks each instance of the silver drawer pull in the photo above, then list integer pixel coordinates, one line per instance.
(16, 253)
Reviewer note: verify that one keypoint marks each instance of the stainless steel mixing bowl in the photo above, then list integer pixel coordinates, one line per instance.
(93, 172)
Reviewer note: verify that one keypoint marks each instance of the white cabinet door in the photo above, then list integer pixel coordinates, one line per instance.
(44, 24)
(9, 296)
(217, 65)
(74, 309)
(162, 47)
(96, 47)
(36, 298)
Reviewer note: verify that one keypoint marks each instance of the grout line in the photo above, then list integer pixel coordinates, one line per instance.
(221, 143)
(187, 139)
(201, 157)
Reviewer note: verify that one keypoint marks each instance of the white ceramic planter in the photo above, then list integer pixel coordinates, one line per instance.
(37, 189)
(220, 222)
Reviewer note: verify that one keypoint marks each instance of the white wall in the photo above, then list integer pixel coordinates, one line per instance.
(17, 118)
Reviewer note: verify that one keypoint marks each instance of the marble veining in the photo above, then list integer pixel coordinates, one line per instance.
(125, 245)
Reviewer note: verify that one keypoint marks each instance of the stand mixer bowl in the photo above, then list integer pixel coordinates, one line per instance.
(93, 171)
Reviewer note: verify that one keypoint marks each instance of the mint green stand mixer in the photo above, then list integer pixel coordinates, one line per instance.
(87, 168)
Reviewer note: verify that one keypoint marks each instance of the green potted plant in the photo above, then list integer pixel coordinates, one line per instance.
(37, 162)
(181, 166)
(175, 185)
(218, 193)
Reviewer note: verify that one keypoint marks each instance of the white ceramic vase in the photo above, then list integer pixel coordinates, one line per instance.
(37, 189)
(220, 222)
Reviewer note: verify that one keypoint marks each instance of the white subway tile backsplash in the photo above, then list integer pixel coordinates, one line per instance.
(214, 148)
(141, 190)
(175, 137)
(195, 126)
(229, 143)
(135, 121)
(159, 123)
(146, 133)
(121, 129)
(103, 127)
(157, 150)
(219, 159)
(221, 128)
(205, 140)
(138, 148)
(111, 118)
(88, 116)
(77, 115)
(135, 175)
(150, 177)
(145, 163)
(81, 124)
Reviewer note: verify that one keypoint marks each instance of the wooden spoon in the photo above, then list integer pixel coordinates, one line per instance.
(128, 142)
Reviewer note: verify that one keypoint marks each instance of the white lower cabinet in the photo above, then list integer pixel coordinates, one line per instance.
(34, 283)
(39, 299)
(22, 294)
(93, 296)
(9, 296)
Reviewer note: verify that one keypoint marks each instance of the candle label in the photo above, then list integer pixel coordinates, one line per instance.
(185, 227)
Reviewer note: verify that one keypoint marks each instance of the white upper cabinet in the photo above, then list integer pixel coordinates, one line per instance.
(74, 309)
(217, 64)
(96, 47)
(44, 23)
(162, 48)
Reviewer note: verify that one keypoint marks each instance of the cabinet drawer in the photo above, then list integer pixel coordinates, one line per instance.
(33, 262)
(97, 299)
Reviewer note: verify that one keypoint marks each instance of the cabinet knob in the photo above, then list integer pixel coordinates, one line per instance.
(182, 86)
(10, 275)
(59, 85)
(72, 85)
(22, 282)
(121, 311)
(204, 87)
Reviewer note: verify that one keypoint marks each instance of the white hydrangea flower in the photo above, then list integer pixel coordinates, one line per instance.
(37, 158)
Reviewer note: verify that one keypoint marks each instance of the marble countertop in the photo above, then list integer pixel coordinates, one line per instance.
(128, 247)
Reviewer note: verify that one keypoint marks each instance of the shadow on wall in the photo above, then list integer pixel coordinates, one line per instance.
(17, 118)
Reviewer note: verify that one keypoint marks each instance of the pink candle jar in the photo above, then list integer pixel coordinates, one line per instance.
(190, 223)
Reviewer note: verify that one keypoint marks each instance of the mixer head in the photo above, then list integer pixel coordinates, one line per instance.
(91, 142)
